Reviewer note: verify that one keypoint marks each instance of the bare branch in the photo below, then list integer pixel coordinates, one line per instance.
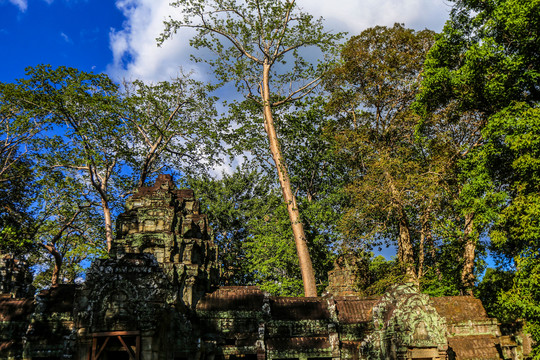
(283, 30)
(291, 97)
(229, 37)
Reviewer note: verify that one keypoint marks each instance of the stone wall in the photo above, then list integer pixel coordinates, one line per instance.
(130, 295)
(15, 277)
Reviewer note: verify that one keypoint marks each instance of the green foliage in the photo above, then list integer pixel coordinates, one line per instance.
(245, 35)
(44, 211)
(485, 58)
(84, 146)
(174, 126)
(65, 224)
(513, 139)
(89, 141)
(17, 188)
(513, 143)
(485, 65)
(253, 234)
(272, 253)
(377, 66)
(257, 46)
(392, 183)
(316, 175)
(230, 204)
(382, 274)
(442, 274)
(494, 284)
(523, 299)
(18, 184)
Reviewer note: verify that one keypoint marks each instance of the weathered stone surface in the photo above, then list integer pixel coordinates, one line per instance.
(348, 275)
(14, 319)
(405, 320)
(51, 330)
(15, 277)
(162, 262)
(166, 223)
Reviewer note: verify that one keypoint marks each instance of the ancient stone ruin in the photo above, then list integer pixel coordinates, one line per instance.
(156, 298)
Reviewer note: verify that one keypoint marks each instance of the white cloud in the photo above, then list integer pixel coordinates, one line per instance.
(354, 16)
(21, 4)
(65, 37)
(135, 51)
(136, 55)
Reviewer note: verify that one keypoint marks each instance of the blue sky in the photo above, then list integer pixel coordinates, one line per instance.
(118, 37)
(71, 33)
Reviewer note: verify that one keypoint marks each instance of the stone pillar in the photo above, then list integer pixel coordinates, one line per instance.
(333, 336)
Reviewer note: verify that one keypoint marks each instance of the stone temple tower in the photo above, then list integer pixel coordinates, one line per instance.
(166, 222)
(15, 277)
(140, 300)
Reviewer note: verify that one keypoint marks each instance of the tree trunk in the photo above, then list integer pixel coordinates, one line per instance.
(56, 270)
(405, 249)
(467, 273)
(306, 267)
(425, 238)
(149, 160)
(57, 263)
(407, 254)
(108, 223)
(421, 255)
(100, 184)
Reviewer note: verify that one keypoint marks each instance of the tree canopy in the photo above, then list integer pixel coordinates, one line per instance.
(371, 92)
(75, 145)
(485, 63)
(258, 47)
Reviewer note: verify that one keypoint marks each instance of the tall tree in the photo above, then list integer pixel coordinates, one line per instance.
(18, 134)
(372, 88)
(17, 131)
(17, 190)
(253, 42)
(486, 63)
(66, 228)
(89, 138)
(174, 126)
(244, 205)
(113, 140)
(45, 216)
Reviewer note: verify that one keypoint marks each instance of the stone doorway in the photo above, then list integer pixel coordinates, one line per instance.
(116, 345)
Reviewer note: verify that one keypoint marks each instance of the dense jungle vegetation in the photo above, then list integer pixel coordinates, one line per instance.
(426, 143)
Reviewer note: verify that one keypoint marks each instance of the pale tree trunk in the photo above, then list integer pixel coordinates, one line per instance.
(306, 267)
(421, 256)
(467, 273)
(108, 223)
(151, 156)
(100, 184)
(57, 266)
(51, 248)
